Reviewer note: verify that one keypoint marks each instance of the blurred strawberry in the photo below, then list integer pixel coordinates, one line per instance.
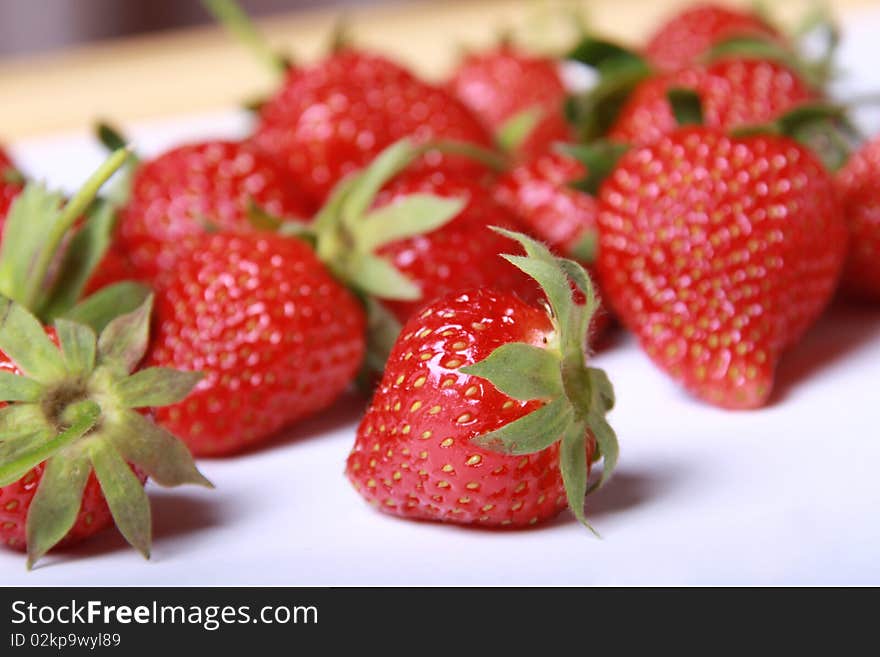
(518, 96)
(332, 118)
(196, 187)
(859, 186)
(691, 33)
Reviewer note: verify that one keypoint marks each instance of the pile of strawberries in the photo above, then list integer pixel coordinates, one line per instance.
(460, 248)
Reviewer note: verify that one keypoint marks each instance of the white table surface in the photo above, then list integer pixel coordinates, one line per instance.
(785, 495)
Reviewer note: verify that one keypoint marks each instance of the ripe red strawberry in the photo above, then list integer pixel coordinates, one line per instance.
(693, 32)
(719, 253)
(76, 448)
(113, 268)
(734, 92)
(190, 187)
(501, 84)
(275, 335)
(476, 420)
(334, 117)
(458, 255)
(859, 186)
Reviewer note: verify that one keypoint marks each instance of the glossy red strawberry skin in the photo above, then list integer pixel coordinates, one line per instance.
(463, 253)
(15, 498)
(501, 83)
(413, 455)
(9, 190)
(719, 253)
(734, 92)
(334, 117)
(276, 336)
(859, 185)
(184, 190)
(115, 267)
(691, 33)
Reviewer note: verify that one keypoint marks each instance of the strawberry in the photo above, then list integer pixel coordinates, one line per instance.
(518, 96)
(542, 194)
(461, 253)
(332, 118)
(276, 336)
(191, 187)
(75, 451)
(487, 412)
(859, 185)
(11, 184)
(693, 32)
(734, 92)
(719, 253)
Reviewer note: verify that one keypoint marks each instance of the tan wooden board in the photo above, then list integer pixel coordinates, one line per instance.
(199, 70)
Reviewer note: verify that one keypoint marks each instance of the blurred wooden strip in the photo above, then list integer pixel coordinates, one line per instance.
(201, 70)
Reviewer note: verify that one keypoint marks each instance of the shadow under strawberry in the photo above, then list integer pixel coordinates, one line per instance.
(844, 329)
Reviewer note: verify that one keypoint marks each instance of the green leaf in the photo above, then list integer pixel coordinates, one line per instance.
(125, 339)
(521, 371)
(514, 132)
(22, 419)
(155, 451)
(97, 310)
(602, 54)
(85, 415)
(585, 249)
(28, 221)
(551, 279)
(382, 332)
(582, 315)
(125, 495)
(599, 158)
(81, 258)
(23, 444)
(594, 112)
(156, 386)
(56, 503)
(78, 346)
(229, 14)
(383, 168)
(573, 466)
(601, 385)
(609, 448)
(415, 214)
(23, 339)
(17, 388)
(530, 433)
(687, 106)
(378, 277)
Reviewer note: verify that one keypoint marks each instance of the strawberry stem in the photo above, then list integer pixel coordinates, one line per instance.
(69, 214)
(229, 14)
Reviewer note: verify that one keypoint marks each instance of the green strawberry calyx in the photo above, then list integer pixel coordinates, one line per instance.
(46, 259)
(576, 397)
(74, 410)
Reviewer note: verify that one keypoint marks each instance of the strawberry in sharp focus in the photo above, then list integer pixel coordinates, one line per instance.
(859, 185)
(75, 448)
(734, 92)
(200, 186)
(488, 413)
(518, 96)
(276, 336)
(693, 32)
(719, 253)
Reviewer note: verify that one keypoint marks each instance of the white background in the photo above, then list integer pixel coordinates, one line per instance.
(786, 495)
